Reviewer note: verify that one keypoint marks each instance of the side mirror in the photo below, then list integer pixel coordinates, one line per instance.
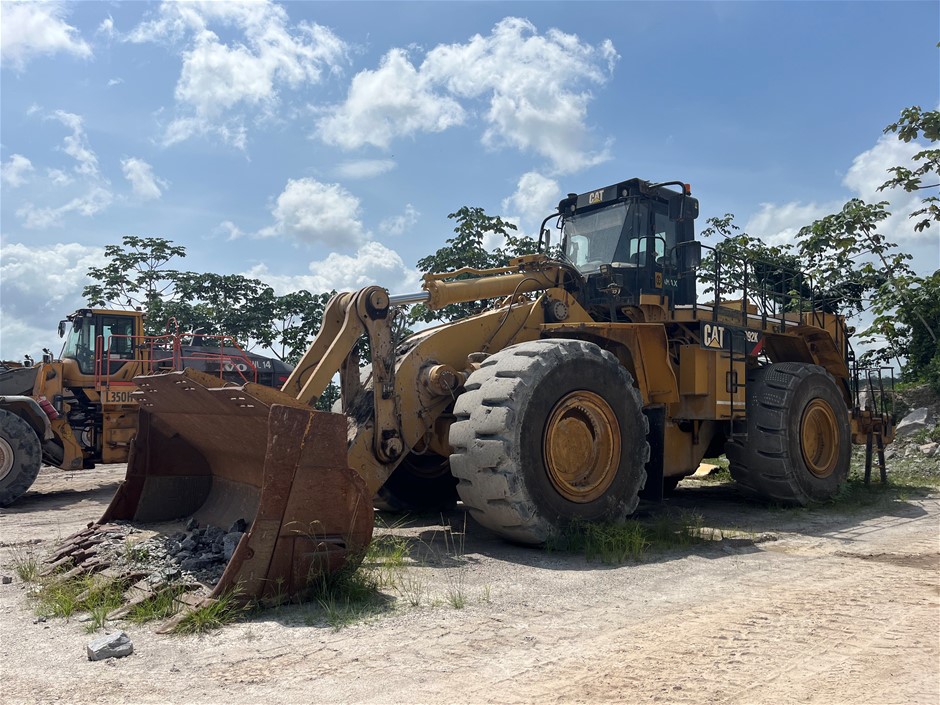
(62, 328)
(689, 255)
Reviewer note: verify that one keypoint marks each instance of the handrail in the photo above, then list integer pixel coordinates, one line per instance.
(158, 353)
(782, 295)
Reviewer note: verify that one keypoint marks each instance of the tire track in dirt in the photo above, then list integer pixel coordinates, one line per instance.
(824, 629)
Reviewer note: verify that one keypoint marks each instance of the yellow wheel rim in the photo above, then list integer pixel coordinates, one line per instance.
(581, 446)
(819, 436)
(6, 458)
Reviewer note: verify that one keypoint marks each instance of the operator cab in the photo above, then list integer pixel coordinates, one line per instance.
(631, 239)
(91, 334)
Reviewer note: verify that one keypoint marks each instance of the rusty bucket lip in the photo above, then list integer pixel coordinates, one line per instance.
(312, 514)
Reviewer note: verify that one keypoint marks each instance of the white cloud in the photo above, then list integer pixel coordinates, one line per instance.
(870, 168)
(59, 272)
(31, 29)
(364, 168)
(106, 27)
(395, 100)
(525, 78)
(115, 82)
(373, 263)
(536, 196)
(140, 174)
(94, 201)
(779, 223)
(58, 177)
(529, 78)
(317, 213)
(15, 171)
(402, 223)
(220, 82)
(95, 196)
(76, 144)
(232, 231)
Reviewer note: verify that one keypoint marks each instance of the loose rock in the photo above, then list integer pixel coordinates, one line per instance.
(915, 421)
(115, 645)
(928, 449)
(230, 542)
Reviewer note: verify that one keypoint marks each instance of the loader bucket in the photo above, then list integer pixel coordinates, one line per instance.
(219, 454)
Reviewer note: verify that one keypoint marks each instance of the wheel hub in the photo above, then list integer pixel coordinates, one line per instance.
(819, 438)
(6, 458)
(581, 446)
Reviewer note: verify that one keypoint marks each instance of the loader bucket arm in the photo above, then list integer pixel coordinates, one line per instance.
(223, 454)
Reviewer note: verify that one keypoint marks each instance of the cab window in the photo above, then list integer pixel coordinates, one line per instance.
(80, 343)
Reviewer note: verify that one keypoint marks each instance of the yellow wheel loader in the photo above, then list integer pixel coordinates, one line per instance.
(79, 410)
(594, 377)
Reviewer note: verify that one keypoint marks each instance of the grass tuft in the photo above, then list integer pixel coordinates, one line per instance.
(225, 609)
(56, 597)
(346, 597)
(26, 566)
(616, 543)
(161, 606)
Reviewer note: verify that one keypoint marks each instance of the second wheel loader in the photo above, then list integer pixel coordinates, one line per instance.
(594, 377)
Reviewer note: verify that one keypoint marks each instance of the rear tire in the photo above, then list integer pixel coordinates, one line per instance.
(20, 457)
(798, 443)
(548, 432)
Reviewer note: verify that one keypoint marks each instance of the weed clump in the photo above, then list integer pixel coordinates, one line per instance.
(616, 543)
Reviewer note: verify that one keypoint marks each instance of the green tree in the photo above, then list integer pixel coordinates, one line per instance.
(771, 273)
(297, 319)
(912, 124)
(837, 244)
(139, 273)
(136, 273)
(850, 263)
(466, 251)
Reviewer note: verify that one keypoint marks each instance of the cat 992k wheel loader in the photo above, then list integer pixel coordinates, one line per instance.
(594, 377)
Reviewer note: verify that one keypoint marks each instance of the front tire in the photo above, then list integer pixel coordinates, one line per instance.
(548, 432)
(20, 457)
(798, 444)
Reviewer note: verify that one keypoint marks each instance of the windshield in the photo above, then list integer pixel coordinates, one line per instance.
(83, 331)
(80, 343)
(620, 235)
(591, 238)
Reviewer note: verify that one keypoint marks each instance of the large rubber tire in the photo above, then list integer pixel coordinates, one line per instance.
(521, 416)
(798, 444)
(20, 457)
(420, 484)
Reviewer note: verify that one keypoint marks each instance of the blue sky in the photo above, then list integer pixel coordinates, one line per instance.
(322, 145)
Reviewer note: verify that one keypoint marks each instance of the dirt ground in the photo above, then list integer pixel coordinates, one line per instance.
(831, 605)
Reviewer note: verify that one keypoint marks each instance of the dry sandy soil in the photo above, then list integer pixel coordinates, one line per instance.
(833, 605)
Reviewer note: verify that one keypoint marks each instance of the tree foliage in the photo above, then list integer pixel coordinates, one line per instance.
(852, 266)
(771, 273)
(912, 124)
(138, 273)
(467, 250)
